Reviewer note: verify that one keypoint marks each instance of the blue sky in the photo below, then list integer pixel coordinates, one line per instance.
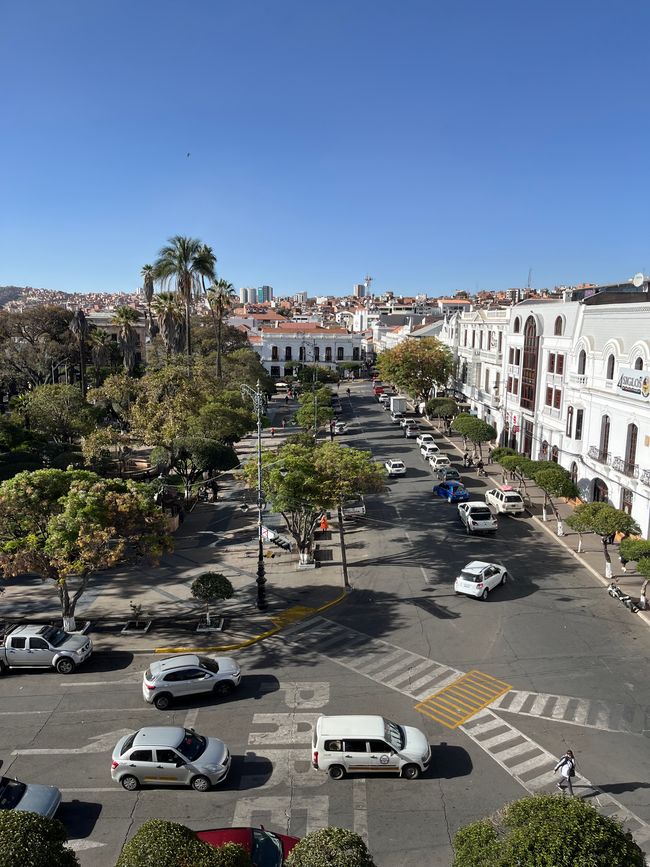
(436, 146)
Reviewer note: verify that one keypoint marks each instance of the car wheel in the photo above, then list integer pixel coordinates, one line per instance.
(162, 701)
(336, 772)
(130, 783)
(65, 665)
(3, 669)
(223, 689)
(411, 772)
(201, 784)
(504, 578)
(484, 594)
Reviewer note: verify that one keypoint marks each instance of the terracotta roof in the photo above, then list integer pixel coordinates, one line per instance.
(453, 301)
(311, 327)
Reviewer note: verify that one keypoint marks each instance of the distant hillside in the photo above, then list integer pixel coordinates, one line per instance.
(30, 295)
(9, 293)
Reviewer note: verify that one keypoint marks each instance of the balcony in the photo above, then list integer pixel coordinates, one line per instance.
(495, 401)
(626, 467)
(645, 477)
(599, 455)
(492, 356)
(579, 379)
(514, 370)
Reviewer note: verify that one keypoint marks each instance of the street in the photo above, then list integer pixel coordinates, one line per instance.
(501, 688)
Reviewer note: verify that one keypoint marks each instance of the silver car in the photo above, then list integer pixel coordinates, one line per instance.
(29, 797)
(169, 756)
(189, 674)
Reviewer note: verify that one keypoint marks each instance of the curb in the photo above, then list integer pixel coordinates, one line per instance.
(303, 613)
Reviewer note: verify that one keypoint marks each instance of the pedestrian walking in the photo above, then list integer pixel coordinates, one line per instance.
(489, 456)
(324, 525)
(272, 431)
(465, 459)
(286, 398)
(567, 768)
(284, 423)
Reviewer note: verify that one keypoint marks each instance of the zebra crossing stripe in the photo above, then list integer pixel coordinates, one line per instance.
(574, 711)
(462, 699)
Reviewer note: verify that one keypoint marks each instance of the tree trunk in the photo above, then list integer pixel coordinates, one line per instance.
(608, 559)
(579, 543)
(207, 614)
(82, 367)
(344, 556)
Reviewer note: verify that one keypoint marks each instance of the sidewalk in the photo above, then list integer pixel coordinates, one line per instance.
(591, 556)
(215, 536)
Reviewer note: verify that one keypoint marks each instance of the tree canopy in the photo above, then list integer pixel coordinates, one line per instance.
(59, 411)
(330, 847)
(546, 831)
(474, 429)
(158, 843)
(30, 840)
(417, 366)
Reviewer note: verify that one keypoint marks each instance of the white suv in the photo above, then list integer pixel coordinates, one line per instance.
(424, 438)
(505, 499)
(477, 517)
(427, 450)
(189, 674)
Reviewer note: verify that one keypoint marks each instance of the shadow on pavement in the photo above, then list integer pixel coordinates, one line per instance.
(448, 761)
(79, 817)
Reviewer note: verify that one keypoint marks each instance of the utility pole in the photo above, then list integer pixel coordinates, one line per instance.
(257, 397)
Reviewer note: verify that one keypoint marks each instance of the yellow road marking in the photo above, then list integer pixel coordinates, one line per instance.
(462, 699)
(291, 615)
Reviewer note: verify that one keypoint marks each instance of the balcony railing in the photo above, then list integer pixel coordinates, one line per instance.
(578, 378)
(599, 455)
(645, 477)
(626, 467)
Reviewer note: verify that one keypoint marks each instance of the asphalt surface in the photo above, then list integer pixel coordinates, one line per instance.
(567, 668)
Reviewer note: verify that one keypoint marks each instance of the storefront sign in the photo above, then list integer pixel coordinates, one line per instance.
(634, 383)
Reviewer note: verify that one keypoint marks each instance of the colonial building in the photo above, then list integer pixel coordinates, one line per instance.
(284, 347)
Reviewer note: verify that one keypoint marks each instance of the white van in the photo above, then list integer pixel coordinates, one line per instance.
(362, 744)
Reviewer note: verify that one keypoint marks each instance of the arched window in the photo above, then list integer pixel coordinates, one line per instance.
(316, 353)
(339, 354)
(558, 328)
(630, 448)
(302, 354)
(274, 353)
(517, 325)
(610, 367)
(638, 364)
(529, 365)
(582, 362)
(555, 454)
(569, 422)
(574, 473)
(604, 438)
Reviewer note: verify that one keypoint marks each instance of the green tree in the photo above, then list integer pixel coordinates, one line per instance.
(148, 275)
(220, 297)
(59, 412)
(244, 366)
(546, 831)
(158, 843)
(126, 318)
(315, 409)
(331, 847)
(209, 588)
(417, 366)
(79, 327)
(555, 482)
(67, 525)
(184, 261)
(30, 840)
(100, 351)
(604, 520)
(169, 317)
(34, 345)
(193, 456)
(441, 407)
(115, 397)
(475, 430)
(638, 551)
(227, 418)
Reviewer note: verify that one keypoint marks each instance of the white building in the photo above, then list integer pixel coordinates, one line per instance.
(283, 348)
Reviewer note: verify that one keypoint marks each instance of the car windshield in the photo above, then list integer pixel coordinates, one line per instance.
(11, 791)
(267, 849)
(55, 636)
(481, 514)
(474, 577)
(192, 746)
(211, 664)
(397, 464)
(394, 734)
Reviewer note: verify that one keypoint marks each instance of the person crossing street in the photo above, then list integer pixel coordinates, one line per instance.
(567, 768)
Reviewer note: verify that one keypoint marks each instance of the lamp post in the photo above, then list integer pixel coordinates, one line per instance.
(257, 396)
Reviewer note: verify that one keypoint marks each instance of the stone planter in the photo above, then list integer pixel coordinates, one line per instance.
(136, 627)
(216, 625)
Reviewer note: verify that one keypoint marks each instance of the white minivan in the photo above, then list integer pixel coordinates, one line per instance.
(362, 744)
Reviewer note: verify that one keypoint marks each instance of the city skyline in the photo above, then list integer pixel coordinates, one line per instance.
(436, 149)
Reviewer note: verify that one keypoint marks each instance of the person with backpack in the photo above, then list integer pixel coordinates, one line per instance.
(567, 768)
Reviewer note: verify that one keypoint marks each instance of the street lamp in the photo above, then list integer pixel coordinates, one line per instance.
(259, 403)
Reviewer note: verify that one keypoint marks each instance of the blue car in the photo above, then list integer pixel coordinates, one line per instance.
(453, 492)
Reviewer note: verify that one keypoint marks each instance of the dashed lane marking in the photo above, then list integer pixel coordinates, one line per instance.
(458, 702)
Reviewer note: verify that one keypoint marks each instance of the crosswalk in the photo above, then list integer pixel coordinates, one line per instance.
(461, 700)
(426, 680)
(575, 711)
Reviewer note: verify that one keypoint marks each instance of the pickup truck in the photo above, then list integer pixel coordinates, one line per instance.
(34, 646)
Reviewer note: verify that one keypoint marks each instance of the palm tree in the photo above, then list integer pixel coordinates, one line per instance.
(169, 318)
(148, 278)
(184, 261)
(220, 297)
(127, 337)
(100, 351)
(79, 327)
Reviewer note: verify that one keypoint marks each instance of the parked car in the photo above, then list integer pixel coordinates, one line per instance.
(340, 427)
(265, 848)
(453, 492)
(396, 417)
(478, 578)
(169, 755)
(353, 508)
(189, 674)
(427, 450)
(437, 462)
(411, 431)
(477, 517)
(34, 646)
(384, 398)
(407, 420)
(505, 499)
(29, 797)
(424, 438)
(447, 474)
(351, 743)
(395, 468)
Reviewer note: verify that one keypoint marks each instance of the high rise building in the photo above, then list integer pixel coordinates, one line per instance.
(359, 290)
(264, 293)
(300, 298)
(248, 295)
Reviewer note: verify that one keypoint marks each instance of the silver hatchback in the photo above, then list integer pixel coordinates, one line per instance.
(189, 674)
(169, 756)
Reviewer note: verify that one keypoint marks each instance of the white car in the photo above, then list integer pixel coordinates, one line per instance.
(411, 431)
(340, 427)
(384, 398)
(439, 462)
(395, 468)
(505, 499)
(407, 420)
(477, 517)
(478, 578)
(397, 416)
(424, 438)
(428, 450)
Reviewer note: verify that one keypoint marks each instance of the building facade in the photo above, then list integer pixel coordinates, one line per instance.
(284, 348)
